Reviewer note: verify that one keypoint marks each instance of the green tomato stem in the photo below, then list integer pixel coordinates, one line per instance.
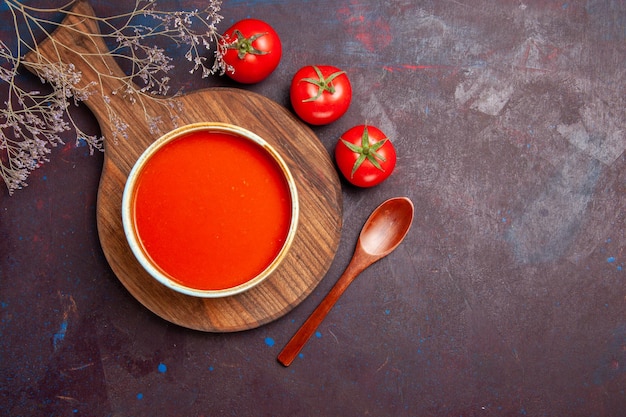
(323, 84)
(244, 45)
(366, 151)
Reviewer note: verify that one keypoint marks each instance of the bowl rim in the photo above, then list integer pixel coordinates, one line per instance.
(131, 234)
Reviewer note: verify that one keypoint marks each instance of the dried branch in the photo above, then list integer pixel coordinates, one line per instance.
(31, 122)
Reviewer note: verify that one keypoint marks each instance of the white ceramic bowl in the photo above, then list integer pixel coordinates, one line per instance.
(169, 204)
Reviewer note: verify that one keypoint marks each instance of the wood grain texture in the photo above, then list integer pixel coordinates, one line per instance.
(317, 182)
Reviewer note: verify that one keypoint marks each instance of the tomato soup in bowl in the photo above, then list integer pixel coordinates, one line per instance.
(210, 209)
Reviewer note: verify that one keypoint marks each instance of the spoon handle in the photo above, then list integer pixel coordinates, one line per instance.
(297, 342)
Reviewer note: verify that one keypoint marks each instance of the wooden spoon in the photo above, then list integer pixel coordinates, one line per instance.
(382, 233)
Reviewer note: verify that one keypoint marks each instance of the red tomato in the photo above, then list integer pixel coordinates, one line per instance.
(253, 50)
(320, 94)
(365, 156)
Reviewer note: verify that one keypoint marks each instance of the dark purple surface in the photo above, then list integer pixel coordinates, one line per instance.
(508, 297)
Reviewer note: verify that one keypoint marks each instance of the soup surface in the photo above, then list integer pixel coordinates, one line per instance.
(212, 209)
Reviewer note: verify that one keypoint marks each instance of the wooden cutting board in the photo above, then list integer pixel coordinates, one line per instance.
(318, 185)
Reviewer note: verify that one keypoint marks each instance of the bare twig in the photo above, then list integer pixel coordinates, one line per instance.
(31, 121)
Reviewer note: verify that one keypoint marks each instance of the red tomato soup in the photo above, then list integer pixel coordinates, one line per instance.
(212, 210)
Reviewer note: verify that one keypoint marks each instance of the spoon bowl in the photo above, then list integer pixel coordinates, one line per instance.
(383, 231)
(386, 227)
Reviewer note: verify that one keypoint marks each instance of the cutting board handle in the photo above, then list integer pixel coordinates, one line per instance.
(77, 41)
